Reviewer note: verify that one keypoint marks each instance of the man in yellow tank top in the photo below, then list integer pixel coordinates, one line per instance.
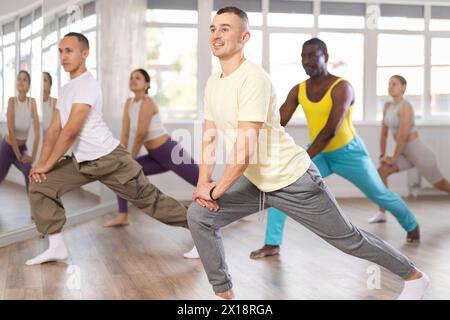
(327, 102)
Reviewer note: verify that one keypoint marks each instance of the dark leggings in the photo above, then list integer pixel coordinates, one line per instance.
(8, 158)
(161, 160)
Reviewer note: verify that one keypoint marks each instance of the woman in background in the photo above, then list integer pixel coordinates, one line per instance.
(21, 114)
(141, 117)
(410, 150)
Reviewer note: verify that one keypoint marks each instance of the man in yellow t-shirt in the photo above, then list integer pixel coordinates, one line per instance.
(264, 163)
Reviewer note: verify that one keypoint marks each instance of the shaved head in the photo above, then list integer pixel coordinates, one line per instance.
(84, 42)
(238, 12)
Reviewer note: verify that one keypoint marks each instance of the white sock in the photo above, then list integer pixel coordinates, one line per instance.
(378, 217)
(193, 254)
(414, 289)
(56, 251)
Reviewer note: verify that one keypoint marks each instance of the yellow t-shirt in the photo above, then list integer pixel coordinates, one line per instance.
(247, 94)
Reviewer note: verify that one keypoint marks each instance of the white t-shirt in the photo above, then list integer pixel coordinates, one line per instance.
(95, 139)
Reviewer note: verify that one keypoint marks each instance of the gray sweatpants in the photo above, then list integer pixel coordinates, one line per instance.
(309, 202)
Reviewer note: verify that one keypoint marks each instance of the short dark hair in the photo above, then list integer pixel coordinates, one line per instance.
(318, 42)
(239, 12)
(145, 75)
(26, 74)
(81, 37)
(400, 78)
(48, 75)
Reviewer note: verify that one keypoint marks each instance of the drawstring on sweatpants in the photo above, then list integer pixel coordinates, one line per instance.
(261, 206)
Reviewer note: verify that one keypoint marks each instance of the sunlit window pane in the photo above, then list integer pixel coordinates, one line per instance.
(285, 64)
(37, 25)
(440, 51)
(440, 91)
(400, 50)
(172, 63)
(171, 16)
(9, 38)
(401, 23)
(346, 60)
(440, 24)
(341, 22)
(25, 26)
(89, 22)
(290, 20)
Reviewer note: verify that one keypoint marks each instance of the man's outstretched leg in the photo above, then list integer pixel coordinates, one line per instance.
(48, 210)
(309, 202)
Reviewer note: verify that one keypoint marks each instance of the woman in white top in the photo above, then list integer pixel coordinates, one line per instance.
(48, 103)
(21, 114)
(410, 151)
(141, 117)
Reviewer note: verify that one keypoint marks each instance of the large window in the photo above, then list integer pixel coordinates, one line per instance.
(401, 41)
(172, 56)
(407, 39)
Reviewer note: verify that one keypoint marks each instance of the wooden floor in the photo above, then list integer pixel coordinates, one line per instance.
(144, 261)
(15, 210)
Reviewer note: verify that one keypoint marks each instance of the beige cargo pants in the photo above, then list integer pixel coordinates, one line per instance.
(118, 171)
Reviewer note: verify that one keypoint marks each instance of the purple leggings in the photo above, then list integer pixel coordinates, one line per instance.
(160, 160)
(7, 158)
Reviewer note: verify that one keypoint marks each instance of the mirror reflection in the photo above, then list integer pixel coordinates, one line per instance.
(30, 78)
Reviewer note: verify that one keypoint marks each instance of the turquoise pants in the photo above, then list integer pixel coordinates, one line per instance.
(353, 163)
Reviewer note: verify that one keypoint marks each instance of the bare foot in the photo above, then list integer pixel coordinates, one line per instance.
(414, 235)
(229, 294)
(120, 220)
(265, 251)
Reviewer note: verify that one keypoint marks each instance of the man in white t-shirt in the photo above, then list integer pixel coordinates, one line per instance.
(78, 125)
(265, 168)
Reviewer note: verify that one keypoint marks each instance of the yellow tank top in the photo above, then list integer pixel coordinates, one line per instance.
(317, 114)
